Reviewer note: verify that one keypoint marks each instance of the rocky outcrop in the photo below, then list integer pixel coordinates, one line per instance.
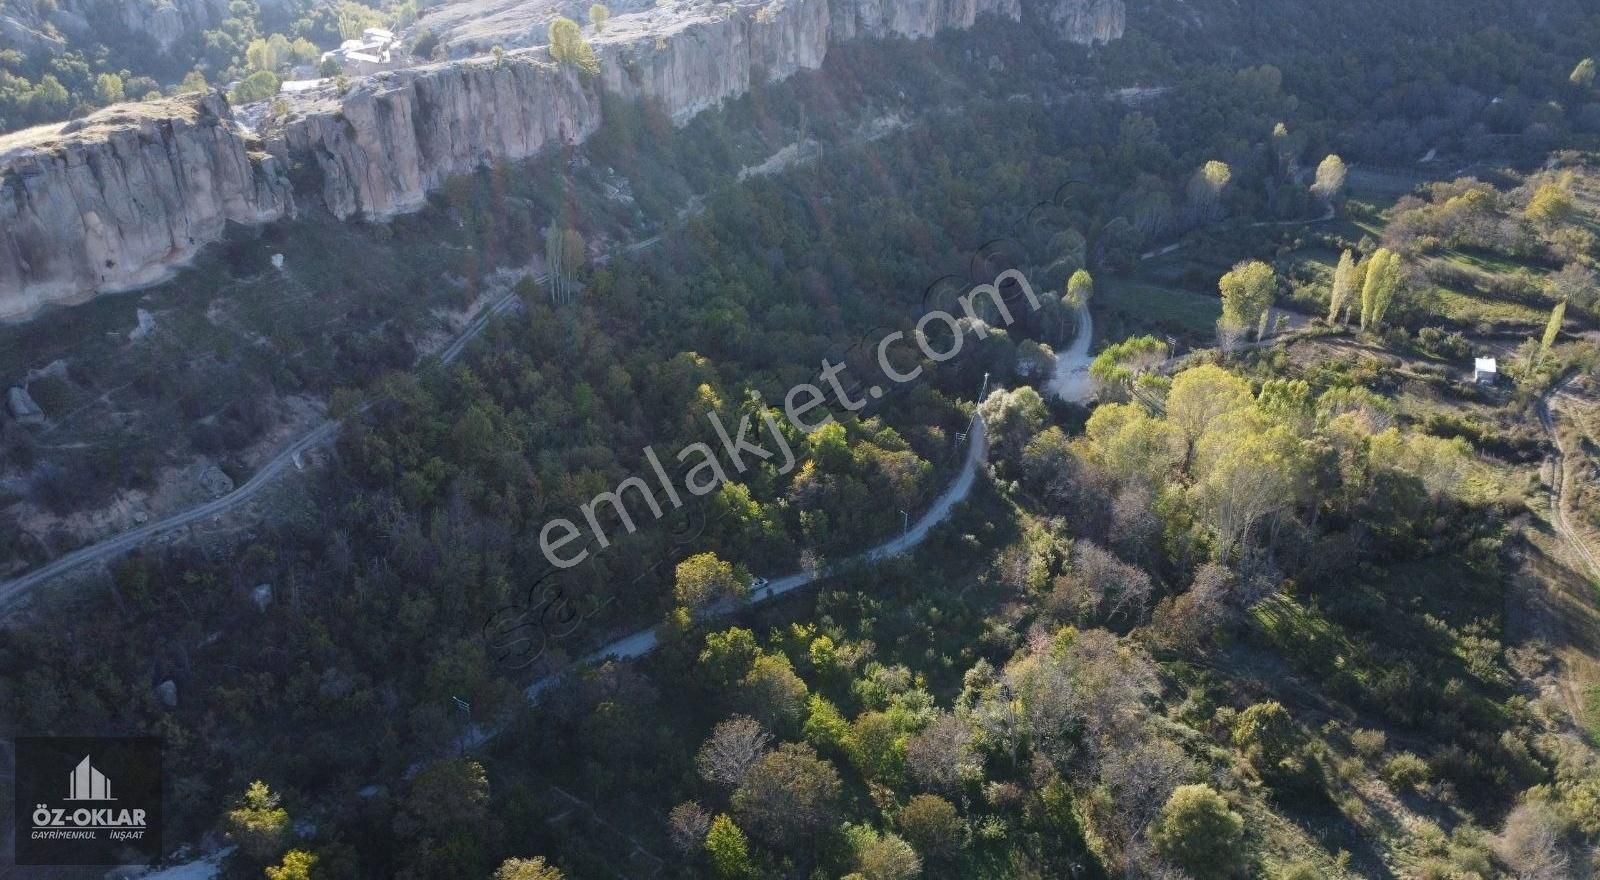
(1086, 21)
(115, 201)
(381, 147)
(163, 22)
(693, 57)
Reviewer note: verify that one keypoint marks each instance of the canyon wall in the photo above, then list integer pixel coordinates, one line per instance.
(112, 201)
(118, 200)
(381, 147)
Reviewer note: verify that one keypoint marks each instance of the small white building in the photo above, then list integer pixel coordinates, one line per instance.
(1485, 371)
(378, 49)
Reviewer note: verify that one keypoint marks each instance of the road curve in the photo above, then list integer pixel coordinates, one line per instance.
(14, 590)
(1558, 481)
(644, 641)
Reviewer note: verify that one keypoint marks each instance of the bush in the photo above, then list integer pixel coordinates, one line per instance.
(1199, 833)
(1405, 772)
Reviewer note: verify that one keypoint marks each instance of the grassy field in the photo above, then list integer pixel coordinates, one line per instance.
(1162, 307)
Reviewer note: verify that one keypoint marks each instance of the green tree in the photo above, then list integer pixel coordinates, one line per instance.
(1379, 288)
(1346, 281)
(704, 579)
(296, 865)
(825, 727)
(258, 86)
(728, 656)
(1080, 287)
(931, 824)
(1331, 176)
(568, 46)
(1247, 294)
(1553, 329)
(193, 82)
(1267, 737)
(728, 849)
(1583, 75)
(1551, 205)
(257, 823)
(598, 16)
(1206, 187)
(527, 869)
(108, 88)
(1199, 833)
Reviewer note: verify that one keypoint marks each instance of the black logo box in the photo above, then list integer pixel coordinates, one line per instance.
(71, 813)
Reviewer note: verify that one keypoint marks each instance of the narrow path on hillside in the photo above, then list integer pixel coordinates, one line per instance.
(644, 641)
(101, 551)
(1548, 408)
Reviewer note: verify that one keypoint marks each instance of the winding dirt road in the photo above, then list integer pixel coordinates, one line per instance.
(18, 588)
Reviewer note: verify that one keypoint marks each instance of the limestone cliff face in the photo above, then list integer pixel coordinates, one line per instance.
(118, 199)
(692, 58)
(382, 146)
(1086, 21)
(164, 22)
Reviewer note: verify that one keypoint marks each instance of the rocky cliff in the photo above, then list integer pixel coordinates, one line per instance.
(117, 200)
(379, 148)
(35, 25)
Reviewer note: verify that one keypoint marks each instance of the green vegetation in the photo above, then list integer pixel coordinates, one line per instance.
(1243, 617)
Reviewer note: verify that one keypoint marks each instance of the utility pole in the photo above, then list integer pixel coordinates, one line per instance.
(905, 523)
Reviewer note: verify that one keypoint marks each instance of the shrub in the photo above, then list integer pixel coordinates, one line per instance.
(1405, 772)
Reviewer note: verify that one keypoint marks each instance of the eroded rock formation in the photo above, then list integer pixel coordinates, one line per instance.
(119, 199)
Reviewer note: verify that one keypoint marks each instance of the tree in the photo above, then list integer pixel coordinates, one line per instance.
(1206, 188)
(1583, 75)
(568, 46)
(1378, 290)
(887, 857)
(1346, 281)
(689, 823)
(1550, 206)
(1553, 329)
(296, 865)
(598, 16)
(704, 579)
(1331, 176)
(931, 824)
(193, 82)
(108, 88)
(1199, 833)
(728, 656)
(1080, 287)
(772, 692)
(258, 824)
(1575, 283)
(1013, 417)
(941, 755)
(1267, 737)
(790, 795)
(564, 253)
(1120, 364)
(728, 849)
(1201, 394)
(1247, 294)
(258, 86)
(735, 745)
(527, 869)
